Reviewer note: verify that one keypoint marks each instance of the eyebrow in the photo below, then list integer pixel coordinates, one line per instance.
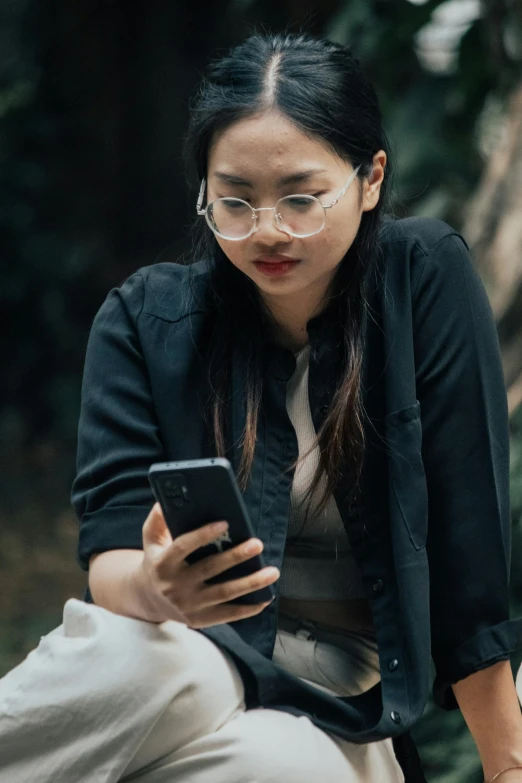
(299, 176)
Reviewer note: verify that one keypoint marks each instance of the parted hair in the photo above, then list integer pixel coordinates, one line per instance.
(321, 88)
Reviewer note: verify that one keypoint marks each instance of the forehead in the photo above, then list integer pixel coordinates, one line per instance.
(267, 144)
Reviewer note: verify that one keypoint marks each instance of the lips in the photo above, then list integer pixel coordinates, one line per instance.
(277, 259)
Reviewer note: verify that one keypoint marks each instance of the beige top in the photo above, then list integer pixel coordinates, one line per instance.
(318, 562)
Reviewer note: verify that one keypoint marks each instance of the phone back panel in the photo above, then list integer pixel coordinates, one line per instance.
(196, 492)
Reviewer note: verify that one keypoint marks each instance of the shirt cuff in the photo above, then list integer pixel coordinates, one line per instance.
(487, 647)
(117, 527)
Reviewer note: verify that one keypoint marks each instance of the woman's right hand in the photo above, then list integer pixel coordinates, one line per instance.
(177, 590)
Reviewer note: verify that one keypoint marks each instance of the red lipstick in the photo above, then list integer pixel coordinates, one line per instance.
(275, 265)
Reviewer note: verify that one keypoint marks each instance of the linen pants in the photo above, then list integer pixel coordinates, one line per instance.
(107, 698)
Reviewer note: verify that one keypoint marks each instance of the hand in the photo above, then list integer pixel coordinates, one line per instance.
(178, 591)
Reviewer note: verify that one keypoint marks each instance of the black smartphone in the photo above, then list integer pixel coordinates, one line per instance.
(193, 493)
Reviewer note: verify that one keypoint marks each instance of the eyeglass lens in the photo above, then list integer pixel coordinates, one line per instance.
(234, 218)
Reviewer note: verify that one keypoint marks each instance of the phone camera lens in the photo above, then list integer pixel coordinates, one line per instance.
(176, 491)
(172, 490)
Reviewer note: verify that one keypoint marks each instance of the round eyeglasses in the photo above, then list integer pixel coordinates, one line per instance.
(298, 215)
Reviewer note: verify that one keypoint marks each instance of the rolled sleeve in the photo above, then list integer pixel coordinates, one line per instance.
(118, 434)
(465, 448)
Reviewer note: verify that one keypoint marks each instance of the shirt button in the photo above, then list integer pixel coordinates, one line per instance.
(395, 716)
(378, 586)
(393, 664)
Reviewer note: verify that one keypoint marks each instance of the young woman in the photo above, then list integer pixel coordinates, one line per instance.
(348, 366)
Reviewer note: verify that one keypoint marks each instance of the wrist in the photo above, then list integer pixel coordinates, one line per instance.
(510, 773)
(142, 595)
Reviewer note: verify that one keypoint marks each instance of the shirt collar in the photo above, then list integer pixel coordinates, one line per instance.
(322, 331)
(320, 328)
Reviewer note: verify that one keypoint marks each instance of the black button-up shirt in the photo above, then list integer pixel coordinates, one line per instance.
(433, 539)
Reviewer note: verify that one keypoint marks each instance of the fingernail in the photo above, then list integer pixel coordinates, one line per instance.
(220, 527)
(253, 546)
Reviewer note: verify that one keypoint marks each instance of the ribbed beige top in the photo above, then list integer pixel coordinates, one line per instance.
(318, 562)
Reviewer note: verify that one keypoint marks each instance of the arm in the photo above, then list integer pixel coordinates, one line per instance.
(465, 449)
(491, 709)
(118, 439)
(136, 569)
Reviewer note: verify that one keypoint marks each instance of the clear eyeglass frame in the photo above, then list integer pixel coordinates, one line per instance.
(277, 217)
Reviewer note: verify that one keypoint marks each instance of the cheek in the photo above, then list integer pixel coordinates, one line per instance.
(234, 251)
(334, 241)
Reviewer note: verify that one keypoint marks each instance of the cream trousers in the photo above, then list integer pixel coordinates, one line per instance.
(106, 698)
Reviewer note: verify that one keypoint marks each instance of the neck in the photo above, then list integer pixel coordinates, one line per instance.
(288, 319)
(290, 332)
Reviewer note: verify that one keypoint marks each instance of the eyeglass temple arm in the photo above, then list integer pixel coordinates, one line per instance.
(344, 189)
(200, 197)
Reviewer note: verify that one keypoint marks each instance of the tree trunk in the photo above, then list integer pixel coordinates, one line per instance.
(493, 229)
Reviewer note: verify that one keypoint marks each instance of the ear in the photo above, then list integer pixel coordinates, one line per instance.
(372, 185)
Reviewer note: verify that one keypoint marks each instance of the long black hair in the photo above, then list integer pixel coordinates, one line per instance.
(321, 88)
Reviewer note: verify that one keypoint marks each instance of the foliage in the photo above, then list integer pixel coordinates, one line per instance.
(93, 105)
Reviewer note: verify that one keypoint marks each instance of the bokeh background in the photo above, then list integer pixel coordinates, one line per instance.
(94, 99)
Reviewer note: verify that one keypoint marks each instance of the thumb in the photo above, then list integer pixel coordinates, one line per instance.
(156, 534)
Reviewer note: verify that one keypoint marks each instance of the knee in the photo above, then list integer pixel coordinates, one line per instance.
(115, 646)
(169, 656)
(275, 745)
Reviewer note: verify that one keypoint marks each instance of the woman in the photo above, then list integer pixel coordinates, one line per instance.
(304, 312)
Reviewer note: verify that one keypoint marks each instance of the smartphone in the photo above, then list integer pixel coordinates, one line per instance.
(193, 493)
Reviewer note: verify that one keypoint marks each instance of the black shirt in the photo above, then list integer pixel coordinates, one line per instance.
(433, 541)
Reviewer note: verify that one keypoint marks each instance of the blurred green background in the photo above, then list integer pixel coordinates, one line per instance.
(93, 105)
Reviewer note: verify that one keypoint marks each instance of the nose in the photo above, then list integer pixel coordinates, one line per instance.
(267, 230)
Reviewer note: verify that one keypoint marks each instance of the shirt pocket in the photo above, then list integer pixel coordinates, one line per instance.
(406, 470)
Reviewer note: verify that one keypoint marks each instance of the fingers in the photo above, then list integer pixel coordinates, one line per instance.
(157, 536)
(185, 544)
(210, 595)
(215, 564)
(184, 586)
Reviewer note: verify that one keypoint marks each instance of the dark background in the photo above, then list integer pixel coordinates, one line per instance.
(94, 99)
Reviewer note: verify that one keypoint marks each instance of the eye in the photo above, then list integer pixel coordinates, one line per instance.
(232, 203)
(241, 198)
(298, 201)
